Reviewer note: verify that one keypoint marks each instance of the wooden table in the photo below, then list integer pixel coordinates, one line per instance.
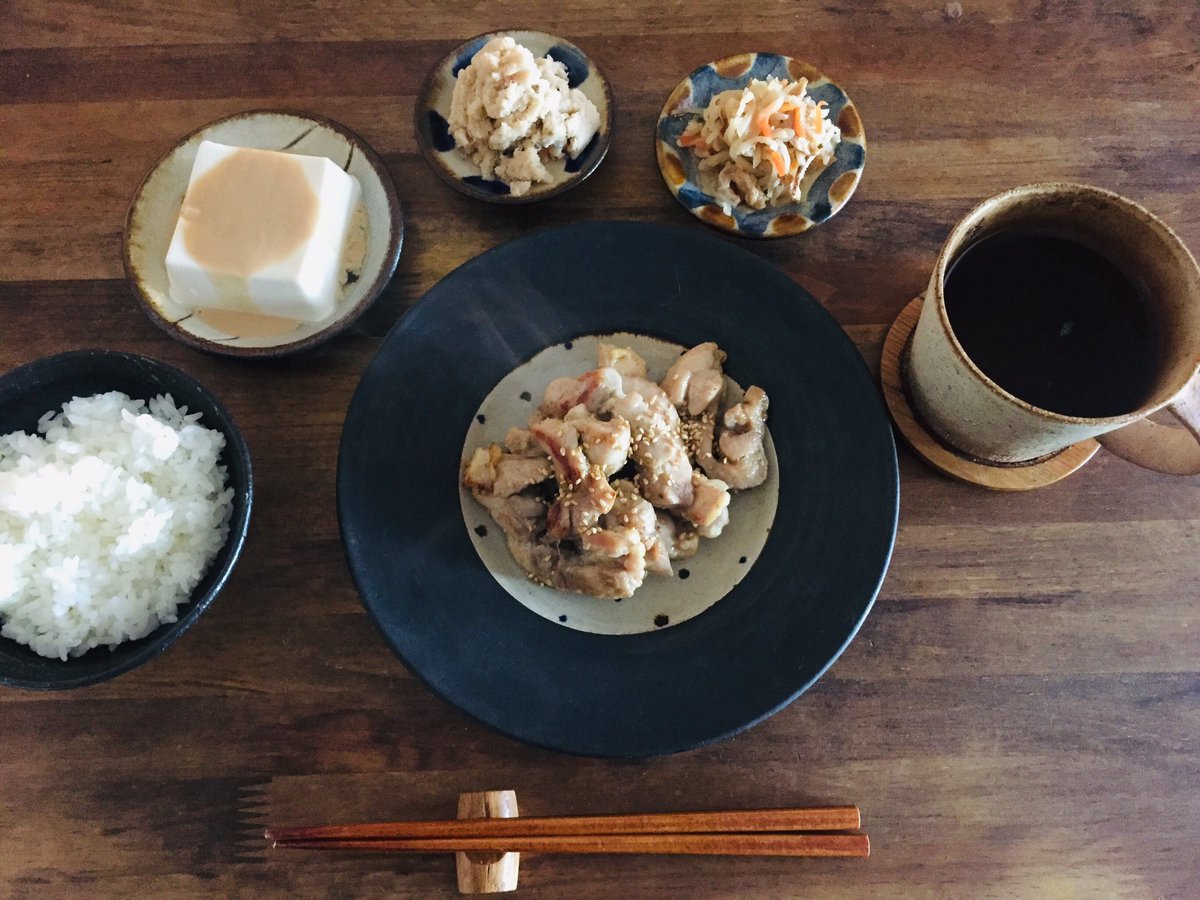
(1019, 715)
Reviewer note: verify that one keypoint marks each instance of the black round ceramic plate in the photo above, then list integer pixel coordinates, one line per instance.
(752, 652)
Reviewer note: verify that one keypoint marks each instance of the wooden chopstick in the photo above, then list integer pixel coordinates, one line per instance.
(723, 844)
(826, 818)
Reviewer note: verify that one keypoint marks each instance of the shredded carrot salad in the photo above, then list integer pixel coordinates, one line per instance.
(757, 144)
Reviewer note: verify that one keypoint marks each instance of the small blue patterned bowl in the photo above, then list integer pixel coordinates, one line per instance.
(458, 171)
(827, 189)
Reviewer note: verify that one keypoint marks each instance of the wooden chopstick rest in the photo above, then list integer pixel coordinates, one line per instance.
(490, 872)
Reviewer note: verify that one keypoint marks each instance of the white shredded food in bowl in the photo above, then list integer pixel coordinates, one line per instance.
(756, 145)
(108, 520)
(511, 113)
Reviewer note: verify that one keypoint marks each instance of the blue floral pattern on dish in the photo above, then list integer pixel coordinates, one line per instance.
(439, 132)
(827, 193)
(463, 58)
(576, 64)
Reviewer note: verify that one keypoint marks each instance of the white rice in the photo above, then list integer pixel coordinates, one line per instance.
(107, 522)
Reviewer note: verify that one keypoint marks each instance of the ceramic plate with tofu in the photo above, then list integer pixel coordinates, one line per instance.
(263, 234)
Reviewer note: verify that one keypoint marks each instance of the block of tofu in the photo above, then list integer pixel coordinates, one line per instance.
(262, 231)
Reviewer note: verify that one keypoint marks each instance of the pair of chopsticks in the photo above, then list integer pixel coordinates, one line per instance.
(815, 831)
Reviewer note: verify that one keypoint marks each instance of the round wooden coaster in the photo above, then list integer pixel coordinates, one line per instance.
(997, 476)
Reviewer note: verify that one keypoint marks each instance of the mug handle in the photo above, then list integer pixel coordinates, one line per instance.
(1163, 448)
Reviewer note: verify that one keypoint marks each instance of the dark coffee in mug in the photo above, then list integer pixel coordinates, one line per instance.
(1055, 322)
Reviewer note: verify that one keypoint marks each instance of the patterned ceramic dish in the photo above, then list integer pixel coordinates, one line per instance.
(826, 188)
(155, 209)
(454, 168)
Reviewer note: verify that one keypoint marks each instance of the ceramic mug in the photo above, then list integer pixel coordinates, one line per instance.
(970, 412)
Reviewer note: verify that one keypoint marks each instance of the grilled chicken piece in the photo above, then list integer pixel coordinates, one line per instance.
(709, 511)
(609, 565)
(612, 564)
(658, 560)
(631, 510)
(632, 369)
(521, 442)
(560, 442)
(503, 474)
(523, 521)
(563, 545)
(743, 462)
(605, 443)
(714, 528)
(479, 473)
(664, 470)
(584, 492)
(694, 383)
(623, 359)
(679, 539)
(695, 380)
(521, 517)
(593, 389)
(579, 508)
(632, 384)
(516, 473)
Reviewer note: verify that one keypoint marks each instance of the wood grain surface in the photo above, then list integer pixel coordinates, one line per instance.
(1020, 714)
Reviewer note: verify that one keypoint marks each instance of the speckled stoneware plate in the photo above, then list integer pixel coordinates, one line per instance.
(761, 612)
(827, 189)
(155, 210)
(698, 582)
(458, 171)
